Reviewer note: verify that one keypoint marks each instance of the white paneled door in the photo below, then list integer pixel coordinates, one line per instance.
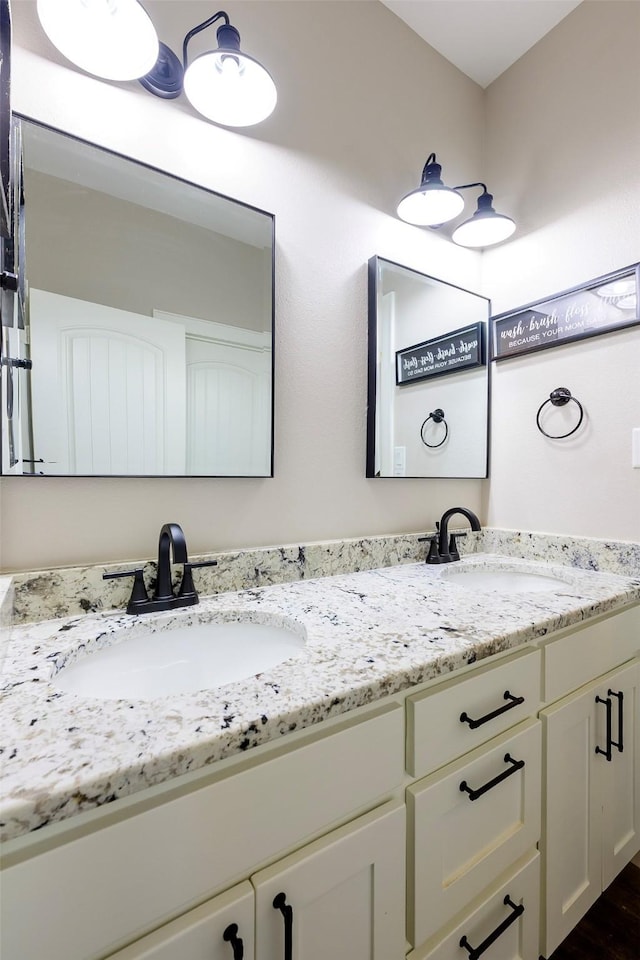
(108, 389)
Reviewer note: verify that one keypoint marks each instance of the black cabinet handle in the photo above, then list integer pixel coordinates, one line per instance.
(620, 697)
(476, 952)
(607, 751)
(513, 702)
(474, 794)
(280, 903)
(230, 935)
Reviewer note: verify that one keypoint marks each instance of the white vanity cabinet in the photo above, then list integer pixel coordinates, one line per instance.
(341, 897)
(108, 878)
(592, 775)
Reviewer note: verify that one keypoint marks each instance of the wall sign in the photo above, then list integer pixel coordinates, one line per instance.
(599, 306)
(457, 350)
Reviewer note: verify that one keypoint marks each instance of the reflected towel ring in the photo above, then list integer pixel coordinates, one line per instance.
(559, 397)
(437, 416)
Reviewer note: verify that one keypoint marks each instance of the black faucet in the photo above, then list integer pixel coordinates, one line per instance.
(171, 539)
(443, 546)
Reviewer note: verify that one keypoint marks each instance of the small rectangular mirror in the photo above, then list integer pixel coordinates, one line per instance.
(428, 393)
(148, 335)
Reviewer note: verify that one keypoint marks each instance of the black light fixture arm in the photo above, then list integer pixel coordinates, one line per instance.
(425, 170)
(467, 186)
(220, 15)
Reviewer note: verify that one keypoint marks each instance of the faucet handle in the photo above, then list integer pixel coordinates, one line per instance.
(433, 555)
(453, 547)
(139, 593)
(187, 589)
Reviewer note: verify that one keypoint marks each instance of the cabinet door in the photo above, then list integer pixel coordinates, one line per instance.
(621, 776)
(345, 891)
(571, 842)
(200, 933)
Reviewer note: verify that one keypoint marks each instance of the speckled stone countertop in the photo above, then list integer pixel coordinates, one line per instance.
(369, 634)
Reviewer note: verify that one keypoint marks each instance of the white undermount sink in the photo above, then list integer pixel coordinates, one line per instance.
(499, 580)
(181, 659)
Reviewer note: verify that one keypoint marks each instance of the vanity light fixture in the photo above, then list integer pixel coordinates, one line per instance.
(116, 40)
(434, 204)
(485, 227)
(111, 39)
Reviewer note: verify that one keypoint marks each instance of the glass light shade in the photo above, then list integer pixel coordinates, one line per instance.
(111, 39)
(230, 88)
(430, 205)
(483, 229)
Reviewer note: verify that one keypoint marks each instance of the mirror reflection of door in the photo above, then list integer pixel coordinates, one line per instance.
(109, 395)
(122, 394)
(158, 361)
(228, 398)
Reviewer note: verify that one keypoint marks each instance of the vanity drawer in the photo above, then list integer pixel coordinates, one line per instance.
(574, 657)
(460, 841)
(511, 927)
(435, 732)
(143, 862)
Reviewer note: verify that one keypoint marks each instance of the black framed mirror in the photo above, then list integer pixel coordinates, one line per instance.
(428, 387)
(149, 321)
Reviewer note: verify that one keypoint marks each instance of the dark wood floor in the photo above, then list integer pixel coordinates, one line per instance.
(611, 928)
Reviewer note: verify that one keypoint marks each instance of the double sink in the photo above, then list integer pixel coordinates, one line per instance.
(233, 647)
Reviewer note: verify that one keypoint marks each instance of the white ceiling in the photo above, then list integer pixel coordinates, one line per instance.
(482, 37)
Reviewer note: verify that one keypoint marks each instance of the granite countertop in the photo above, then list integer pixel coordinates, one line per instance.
(369, 634)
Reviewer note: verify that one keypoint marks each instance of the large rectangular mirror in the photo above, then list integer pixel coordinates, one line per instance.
(149, 324)
(428, 397)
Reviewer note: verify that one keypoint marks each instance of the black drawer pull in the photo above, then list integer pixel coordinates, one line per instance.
(230, 935)
(280, 903)
(620, 695)
(475, 952)
(513, 702)
(474, 794)
(607, 750)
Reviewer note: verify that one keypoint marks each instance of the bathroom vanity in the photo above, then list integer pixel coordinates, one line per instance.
(442, 770)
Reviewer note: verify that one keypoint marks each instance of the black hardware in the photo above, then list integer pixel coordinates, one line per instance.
(476, 952)
(187, 588)
(16, 362)
(139, 596)
(513, 702)
(280, 903)
(453, 546)
(444, 555)
(437, 416)
(9, 281)
(474, 794)
(559, 397)
(171, 540)
(432, 556)
(230, 935)
(607, 751)
(620, 696)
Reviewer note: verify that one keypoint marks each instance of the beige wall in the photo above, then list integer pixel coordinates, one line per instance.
(563, 141)
(362, 101)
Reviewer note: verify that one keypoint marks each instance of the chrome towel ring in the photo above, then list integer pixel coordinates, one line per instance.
(558, 398)
(437, 416)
